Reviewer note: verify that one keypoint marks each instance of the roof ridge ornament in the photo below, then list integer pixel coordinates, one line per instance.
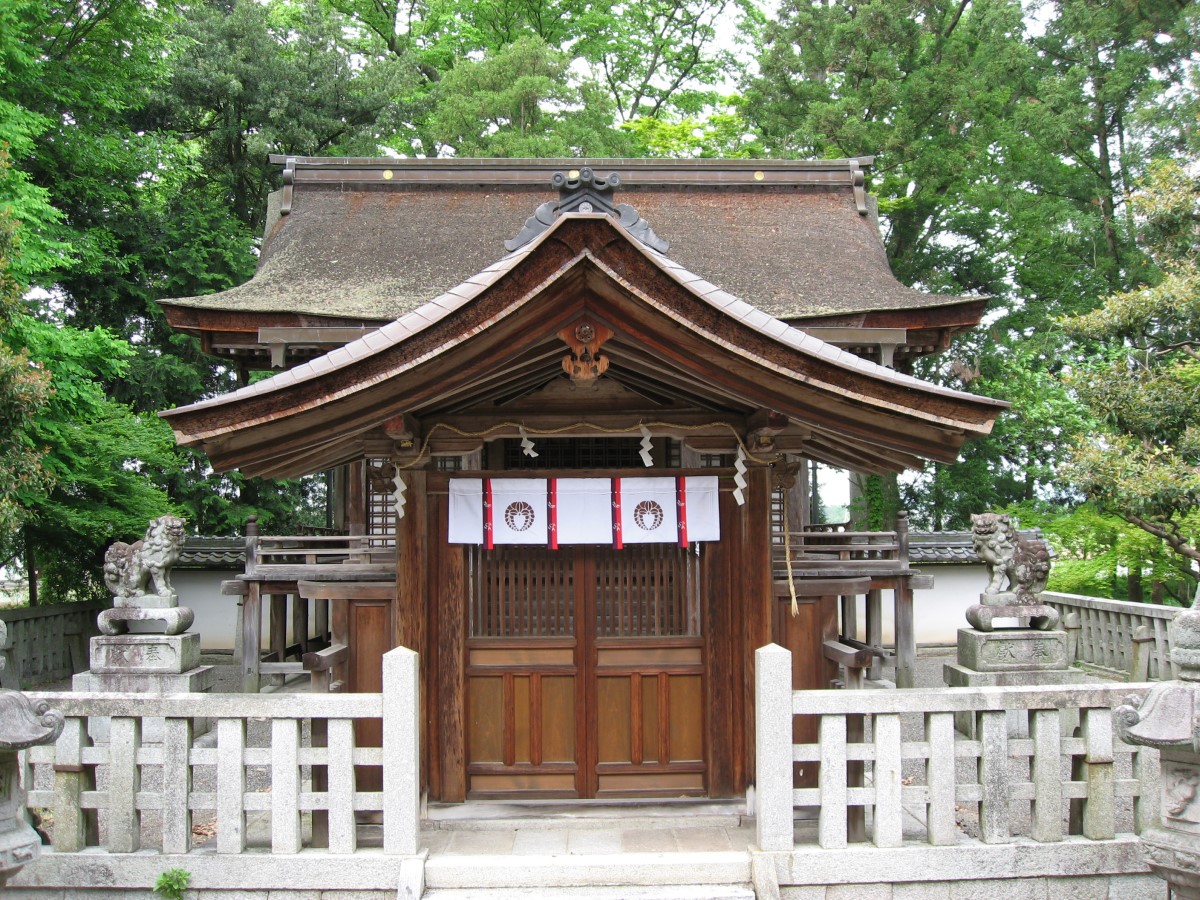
(581, 190)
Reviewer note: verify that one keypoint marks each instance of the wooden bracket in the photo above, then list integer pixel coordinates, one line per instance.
(585, 363)
(761, 428)
(404, 430)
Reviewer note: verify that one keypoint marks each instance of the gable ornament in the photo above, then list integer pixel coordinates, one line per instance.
(583, 191)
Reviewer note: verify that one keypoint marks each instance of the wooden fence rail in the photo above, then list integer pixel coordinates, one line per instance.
(126, 791)
(1045, 765)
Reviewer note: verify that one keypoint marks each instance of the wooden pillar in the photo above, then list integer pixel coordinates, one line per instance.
(875, 629)
(906, 641)
(251, 637)
(906, 647)
(356, 497)
(751, 577)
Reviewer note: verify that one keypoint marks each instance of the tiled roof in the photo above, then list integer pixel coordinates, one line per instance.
(213, 553)
(948, 547)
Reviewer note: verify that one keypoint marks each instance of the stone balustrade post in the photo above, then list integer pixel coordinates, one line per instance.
(401, 752)
(773, 747)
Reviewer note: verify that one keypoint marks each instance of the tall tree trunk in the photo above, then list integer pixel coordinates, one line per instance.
(1136, 594)
(31, 572)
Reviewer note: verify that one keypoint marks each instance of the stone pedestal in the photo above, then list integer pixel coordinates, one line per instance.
(153, 664)
(1169, 720)
(1006, 658)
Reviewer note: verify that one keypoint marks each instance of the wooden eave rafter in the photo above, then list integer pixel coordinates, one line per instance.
(681, 333)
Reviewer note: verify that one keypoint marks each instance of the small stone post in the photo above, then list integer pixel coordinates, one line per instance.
(21, 726)
(1169, 719)
(773, 747)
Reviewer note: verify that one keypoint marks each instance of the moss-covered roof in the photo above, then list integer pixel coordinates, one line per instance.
(374, 239)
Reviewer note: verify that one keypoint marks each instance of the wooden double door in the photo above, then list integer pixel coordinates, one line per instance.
(585, 672)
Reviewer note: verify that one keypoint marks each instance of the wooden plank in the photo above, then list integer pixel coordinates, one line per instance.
(251, 638)
(906, 640)
(449, 643)
(346, 590)
(722, 634)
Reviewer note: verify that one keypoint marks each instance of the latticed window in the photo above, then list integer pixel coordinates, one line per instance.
(381, 504)
(587, 453)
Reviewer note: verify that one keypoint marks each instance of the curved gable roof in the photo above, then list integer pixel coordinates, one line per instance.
(501, 325)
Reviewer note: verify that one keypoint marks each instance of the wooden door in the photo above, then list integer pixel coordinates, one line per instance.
(585, 672)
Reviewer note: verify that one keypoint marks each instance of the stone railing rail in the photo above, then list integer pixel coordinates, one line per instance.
(137, 777)
(1117, 637)
(46, 643)
(1012, 777)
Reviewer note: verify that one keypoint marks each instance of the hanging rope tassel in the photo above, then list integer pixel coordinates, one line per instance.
(787, 556)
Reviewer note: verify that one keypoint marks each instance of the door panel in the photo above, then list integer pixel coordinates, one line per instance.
(585, 672)
(651, 716)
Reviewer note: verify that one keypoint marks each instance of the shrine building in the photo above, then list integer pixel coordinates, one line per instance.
(568, 406)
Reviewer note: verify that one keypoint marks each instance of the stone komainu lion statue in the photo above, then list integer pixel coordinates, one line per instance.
(128, 568)
(1025, 563)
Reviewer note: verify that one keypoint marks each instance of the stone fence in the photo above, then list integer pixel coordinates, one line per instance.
(283, 771)
(47, 643)
(1116, 637)
(884, 770)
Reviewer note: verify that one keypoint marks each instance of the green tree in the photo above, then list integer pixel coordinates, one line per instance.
(518, 102)
(24, 387)
(1144, 465)
(105, 461)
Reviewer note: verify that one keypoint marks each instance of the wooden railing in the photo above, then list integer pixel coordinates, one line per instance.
(884, 752)
(856, 552)
(280, 556)
(1118, 637)
(149, 785)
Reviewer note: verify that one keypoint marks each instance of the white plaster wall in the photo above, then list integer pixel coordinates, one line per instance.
(937, 613)
(216, 615)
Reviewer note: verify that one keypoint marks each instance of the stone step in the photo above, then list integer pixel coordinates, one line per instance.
(584, 815)
(606, 892)
(587, 823)
(590, 870)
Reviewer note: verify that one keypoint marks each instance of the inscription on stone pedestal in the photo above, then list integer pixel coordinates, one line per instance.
(1014, 650)
(145, 653)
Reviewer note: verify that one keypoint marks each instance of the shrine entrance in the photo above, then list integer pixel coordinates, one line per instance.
(585, 672)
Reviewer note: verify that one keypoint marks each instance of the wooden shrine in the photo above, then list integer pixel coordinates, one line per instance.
(549, 327)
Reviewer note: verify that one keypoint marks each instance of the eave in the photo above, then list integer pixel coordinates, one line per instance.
(670, 325)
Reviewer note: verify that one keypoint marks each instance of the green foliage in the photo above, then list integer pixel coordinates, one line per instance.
(720, 132)
(517, 102)
(103, 459)
(172, 883)
(23, 386)
(1020, 459)
(1102, 555)
(1144, 383)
